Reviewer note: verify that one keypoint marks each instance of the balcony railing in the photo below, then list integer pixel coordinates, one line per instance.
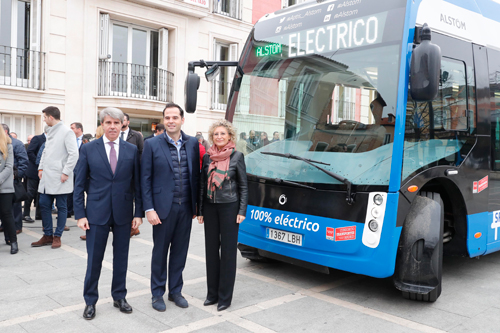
(22, 68)
(136, 81)
(230, 8)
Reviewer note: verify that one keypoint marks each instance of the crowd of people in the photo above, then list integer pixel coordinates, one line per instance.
(111, 182)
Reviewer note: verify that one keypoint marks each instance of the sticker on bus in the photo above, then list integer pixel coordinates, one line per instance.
(346, 233)
(329, 233)
(480, 186)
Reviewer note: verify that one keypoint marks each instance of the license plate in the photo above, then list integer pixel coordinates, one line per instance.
(284, 236)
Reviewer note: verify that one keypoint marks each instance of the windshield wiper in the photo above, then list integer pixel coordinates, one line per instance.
(281, 181)
(350, 195)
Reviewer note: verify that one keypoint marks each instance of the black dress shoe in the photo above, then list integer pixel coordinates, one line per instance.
(222, 307)
(14, 248)
(89, 312)
(123, 305)
(209, 302)
(28, 219)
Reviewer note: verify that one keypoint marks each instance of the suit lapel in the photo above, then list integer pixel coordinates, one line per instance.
(166, 151)
(122, 151)
(102, 151)
(129, 134)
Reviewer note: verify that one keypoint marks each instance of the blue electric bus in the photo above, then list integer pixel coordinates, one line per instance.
(371, 130)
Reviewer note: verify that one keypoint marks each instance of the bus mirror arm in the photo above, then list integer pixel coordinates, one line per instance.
(193, 80)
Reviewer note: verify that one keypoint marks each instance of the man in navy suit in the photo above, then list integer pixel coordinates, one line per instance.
(110, 167)
(170, 170)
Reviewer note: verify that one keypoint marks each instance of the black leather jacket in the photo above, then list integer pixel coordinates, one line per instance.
(233, 189)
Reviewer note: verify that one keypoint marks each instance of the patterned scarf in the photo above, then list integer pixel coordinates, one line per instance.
(218, 168)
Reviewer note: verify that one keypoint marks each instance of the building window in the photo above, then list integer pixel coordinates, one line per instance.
(231, 8)
(21, 62)
(288, 3)
(222, 85)
(133, 61)
(23, 126)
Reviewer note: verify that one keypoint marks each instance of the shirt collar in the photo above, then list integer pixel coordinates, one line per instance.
(169, 139)
(80, 137)
(106, 140)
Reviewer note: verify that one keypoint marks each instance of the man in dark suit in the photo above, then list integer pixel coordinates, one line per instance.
(33, 180)
(130, 135)
(77, 128)
(170, 170)
(160, 128)
(110, 167)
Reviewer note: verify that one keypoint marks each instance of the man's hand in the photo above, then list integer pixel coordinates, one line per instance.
(40, 174)
(63, 178)
(240, 218)
(83, 224)
(200, 219)
(136, 222)
(153, 217)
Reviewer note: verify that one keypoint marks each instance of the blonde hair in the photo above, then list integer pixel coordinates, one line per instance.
(4, 141)
(99, 132)
(222, 123)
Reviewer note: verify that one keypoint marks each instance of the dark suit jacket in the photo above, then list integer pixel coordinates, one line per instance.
(149, 137)
(107, 192)
(20, 158)
(157, 177)
(136, 139)
(33, 149)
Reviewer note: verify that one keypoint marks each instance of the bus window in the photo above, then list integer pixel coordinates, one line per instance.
(445, 138)
(494, 65)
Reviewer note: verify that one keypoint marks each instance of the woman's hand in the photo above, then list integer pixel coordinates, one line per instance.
(240, 218)
(200, 219)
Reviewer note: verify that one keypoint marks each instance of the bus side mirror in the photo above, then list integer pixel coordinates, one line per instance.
(425, 68)
(191, 91)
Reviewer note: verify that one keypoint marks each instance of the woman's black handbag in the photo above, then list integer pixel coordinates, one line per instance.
(20, 193)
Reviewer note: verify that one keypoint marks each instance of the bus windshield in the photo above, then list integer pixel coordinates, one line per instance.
(326, 93)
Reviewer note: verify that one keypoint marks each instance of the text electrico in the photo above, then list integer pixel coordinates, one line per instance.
(342, 35)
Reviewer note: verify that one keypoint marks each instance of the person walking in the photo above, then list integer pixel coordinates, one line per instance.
(110, 166)
(56, 176)
(170, 170)
(77, 128)
(33, 181)
(7, 190)
(222, 206)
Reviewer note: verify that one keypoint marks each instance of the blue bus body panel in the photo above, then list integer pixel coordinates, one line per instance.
(477, 223)
(348, 255)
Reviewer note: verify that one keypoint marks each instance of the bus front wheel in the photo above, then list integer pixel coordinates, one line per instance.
(419, 259)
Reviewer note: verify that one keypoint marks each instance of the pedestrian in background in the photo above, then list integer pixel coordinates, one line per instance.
(20, 168)
(222, 206)
(99, 132)
(33, 181)
(170, 170)
(56, 176)
(109, 167)
(159, 129)
(203, 141)
(7, 190)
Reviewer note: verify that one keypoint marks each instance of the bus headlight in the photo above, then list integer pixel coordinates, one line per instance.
(378, 199)
(373, 225)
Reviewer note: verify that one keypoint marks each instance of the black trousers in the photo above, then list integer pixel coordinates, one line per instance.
(221, 232)
(32, 196)
(97, 239)
(171, 235)
(6, 216)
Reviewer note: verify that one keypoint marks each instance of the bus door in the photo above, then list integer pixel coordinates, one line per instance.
(494, 177)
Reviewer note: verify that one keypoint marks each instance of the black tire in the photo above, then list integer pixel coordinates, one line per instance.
(433, 295)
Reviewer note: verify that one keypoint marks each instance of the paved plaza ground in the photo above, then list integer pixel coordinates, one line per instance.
(41, 291)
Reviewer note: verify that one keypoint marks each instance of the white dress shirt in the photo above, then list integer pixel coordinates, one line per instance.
(108, 147)
(124, 135)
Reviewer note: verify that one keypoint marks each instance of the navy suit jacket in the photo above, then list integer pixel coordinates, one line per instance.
(33, 149)
(157, 175)
(108, 192)
(20, 158)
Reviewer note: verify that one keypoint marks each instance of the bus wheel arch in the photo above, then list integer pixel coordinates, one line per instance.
(419, 258)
